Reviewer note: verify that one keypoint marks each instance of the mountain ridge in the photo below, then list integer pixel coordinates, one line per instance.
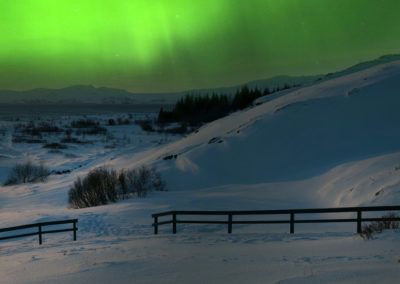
(89, 94)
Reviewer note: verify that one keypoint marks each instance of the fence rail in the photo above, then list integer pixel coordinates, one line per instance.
(290, 212)
(40, 232)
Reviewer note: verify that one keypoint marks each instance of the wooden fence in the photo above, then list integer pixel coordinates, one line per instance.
(40, 231)
(290, 212)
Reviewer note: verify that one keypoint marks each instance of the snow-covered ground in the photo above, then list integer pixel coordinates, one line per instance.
(331, 144)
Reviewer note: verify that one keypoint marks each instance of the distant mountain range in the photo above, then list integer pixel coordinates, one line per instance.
(88, 94)
(82, 94)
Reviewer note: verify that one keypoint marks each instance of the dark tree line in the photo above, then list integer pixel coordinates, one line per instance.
(197, 109)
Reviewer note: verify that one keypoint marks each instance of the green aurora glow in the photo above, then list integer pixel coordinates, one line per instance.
(171, 45)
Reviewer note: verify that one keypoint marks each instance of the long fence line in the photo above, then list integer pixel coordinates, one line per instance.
(40, 230)
(290, 212)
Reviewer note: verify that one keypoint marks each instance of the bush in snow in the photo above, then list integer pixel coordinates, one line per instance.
(27, 172)
(146, 124)
(99, 187)
(141, 181)
(55, 145)
(102, 186)
(84, 123)
(87, 127)
(378, 226)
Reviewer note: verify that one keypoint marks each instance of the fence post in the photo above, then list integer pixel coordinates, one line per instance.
(174, 223)
(291, 222)
(358, 222)
(40, 234)
(74, 230)
(155, 225)
(230, 223)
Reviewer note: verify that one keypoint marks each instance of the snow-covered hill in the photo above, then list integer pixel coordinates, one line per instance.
(332, 143)
(294, 135)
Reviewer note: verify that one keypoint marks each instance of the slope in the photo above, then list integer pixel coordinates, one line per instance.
(292, 135)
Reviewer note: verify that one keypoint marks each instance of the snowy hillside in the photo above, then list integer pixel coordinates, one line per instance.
(294, 135)
(330, 144)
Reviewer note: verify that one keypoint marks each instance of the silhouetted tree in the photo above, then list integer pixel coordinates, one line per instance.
(197, 109)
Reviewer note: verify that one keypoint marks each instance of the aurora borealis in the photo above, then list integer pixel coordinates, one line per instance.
(174, 45)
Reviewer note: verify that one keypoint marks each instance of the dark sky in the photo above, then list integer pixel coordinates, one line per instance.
(173, 45)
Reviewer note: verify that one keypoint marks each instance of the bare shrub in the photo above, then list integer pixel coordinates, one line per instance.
(102, 186)
(42, 172)
(27, 172)
(386, 223)
(33, 129)
(70, 155)
(24, 139)
(146, 124)
(48, 128)
(156, 180)
(84, 123)
(123, 121)
(73, 140)
(96, 130)
(141, 181)
(93, 130)
(87, 127)
(124, 192)
(97, 188)
(55, 145)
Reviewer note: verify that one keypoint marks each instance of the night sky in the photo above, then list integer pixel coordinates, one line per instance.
(173, 45)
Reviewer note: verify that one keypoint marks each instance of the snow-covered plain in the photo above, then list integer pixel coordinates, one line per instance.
(331, 144)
